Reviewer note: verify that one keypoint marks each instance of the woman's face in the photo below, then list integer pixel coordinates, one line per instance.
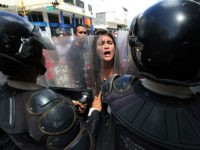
(106, 48)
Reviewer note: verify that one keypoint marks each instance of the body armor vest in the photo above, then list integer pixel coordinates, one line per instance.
(42, 119)
(146, 120)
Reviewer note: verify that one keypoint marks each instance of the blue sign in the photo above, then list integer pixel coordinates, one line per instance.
(40, 24)
(54, 24)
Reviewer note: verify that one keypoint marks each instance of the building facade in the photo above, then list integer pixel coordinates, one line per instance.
(111, 17)
(53, 15)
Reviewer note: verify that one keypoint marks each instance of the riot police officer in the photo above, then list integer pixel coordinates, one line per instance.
(161, 109)
(31, 116)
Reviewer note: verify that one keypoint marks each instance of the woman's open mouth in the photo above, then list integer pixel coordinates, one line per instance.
(107, 53)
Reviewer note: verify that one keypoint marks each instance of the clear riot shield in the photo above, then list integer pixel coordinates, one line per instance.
(96, 64)
(123, 63)
(66, 67)
(70, 70)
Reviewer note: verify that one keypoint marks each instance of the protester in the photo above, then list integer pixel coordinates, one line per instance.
(161, 110)
(80, 30)
(34, 117)
(103, 55)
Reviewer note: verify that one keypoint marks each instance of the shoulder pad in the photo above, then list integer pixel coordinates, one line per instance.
(58, 141)
(42, 100)
(123, 83)
(58, 120)
(107, 86)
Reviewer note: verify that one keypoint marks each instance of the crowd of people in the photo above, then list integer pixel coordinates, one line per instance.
(155, 109)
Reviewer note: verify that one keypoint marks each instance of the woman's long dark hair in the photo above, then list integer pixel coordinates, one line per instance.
(97, 63)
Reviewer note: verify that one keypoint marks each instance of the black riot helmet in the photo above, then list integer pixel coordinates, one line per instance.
(165, 41)
(20, 42)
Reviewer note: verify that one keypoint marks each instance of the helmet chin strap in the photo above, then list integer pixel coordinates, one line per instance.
(25, 47)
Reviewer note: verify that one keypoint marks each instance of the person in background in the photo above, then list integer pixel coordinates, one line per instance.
(80, 30)
(34, 117)
(161, 110)
(78, 53)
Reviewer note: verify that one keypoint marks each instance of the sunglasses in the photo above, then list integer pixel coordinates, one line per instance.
(82, 32)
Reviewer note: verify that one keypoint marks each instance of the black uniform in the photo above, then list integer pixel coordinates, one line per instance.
(147, 120)
(43, 119)
(31, 116)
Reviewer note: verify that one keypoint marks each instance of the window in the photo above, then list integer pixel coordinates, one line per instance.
(90, 7)
(80, 4)
(66, 20)
(53, 18)
(54, 31)
(35, 17)
(69, 1)
(77, 21)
